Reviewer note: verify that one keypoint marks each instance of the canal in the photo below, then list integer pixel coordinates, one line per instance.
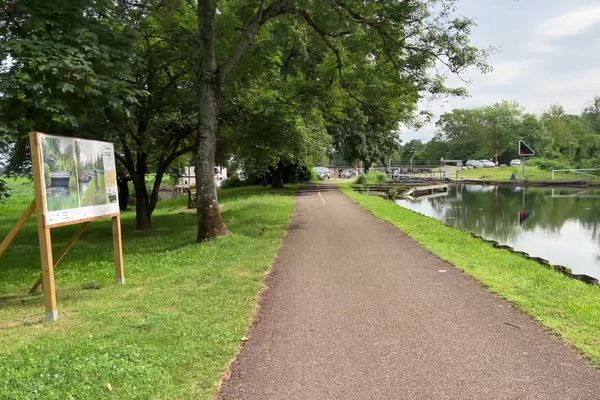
(561, 225)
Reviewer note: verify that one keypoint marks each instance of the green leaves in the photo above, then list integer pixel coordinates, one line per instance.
(491, 131)
(296, 78)
(68, 63)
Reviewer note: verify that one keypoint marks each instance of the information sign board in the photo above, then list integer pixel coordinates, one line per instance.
(79, 179)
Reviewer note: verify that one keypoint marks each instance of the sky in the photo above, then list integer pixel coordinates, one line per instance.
(546, 52)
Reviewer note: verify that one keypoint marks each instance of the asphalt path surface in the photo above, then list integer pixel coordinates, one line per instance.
(355, 309)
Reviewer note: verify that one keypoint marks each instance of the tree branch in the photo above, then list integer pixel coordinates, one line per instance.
(263, 15)
(336, 51)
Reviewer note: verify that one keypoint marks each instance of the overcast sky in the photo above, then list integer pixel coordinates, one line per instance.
(548, 51)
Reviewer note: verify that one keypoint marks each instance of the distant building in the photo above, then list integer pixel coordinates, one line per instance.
(189, 178)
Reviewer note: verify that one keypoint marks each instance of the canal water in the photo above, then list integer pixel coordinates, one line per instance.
(59, 198)
(561, 225)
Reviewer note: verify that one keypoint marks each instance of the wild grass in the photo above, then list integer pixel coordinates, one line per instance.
(567, 306)
(169, 333)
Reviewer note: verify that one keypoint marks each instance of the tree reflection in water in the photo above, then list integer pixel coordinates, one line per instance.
(560, 220)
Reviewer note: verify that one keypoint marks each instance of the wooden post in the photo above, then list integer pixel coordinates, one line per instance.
(118, 249)
(17, 228)
(45, 238)
(62, 255)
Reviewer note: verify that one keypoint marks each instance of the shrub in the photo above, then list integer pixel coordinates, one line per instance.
(372, 178)
(301, 173)
(313, 176)
(394, 193)
(232, 182)
(548, 164)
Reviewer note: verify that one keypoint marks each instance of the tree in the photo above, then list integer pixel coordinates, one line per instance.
(409, 150)
(104, 70)
(4, 191)
(359, 137)
(534, 133)
(461, 130)
(273, 119)
(63, 66)
(158, 128)
(490, 132)
(558, 138)
(407, 38)
(592, 113)
(501, 123)
(567, 135)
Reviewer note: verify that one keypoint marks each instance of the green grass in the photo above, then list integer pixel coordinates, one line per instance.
(531, 174)
(169, 333)
(567, 306)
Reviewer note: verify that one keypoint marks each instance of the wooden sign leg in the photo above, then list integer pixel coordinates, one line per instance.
(12, 235)
(48, 285)
(118, 249)
(62, 255)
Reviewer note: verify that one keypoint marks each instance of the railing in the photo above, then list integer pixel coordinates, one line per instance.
(581, 171)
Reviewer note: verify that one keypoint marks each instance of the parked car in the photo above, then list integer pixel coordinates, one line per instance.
(487, 163)
(515, 163)
(322, 172)
(347, 173)
(474, 164)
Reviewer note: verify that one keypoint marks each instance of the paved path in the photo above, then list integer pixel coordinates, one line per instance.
(357, 310)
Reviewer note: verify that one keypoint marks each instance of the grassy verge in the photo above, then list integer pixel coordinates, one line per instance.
(170, 333)
(531, 174)
(567, 306)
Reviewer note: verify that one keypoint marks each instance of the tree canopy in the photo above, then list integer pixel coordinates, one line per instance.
(493, 132)
(104, 70)
(376, 58)
(269, 83)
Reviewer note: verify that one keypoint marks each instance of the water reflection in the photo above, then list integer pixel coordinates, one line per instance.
(559, 224)
(61, 198)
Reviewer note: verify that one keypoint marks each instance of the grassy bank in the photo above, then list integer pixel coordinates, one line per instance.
(531, 174)
(170, 333)
(567, 306)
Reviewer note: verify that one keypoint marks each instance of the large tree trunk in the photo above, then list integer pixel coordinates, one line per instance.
(210, 224)
(123, 186)
(145, 203)
(142, 213)
(277, 177)
(366, 166)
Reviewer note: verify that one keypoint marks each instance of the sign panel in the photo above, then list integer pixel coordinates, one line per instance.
(525, 150)
(79, 179)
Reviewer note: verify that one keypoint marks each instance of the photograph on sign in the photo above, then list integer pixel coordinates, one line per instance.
(80, 179)
(60, 173)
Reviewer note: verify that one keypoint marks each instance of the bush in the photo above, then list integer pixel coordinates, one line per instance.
(313, 176)
(233, 181)
(372, 178)
(394, 193)
(548, 164)
(300, 173)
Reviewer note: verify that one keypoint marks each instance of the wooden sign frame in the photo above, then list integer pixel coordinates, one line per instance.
(45, 237)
